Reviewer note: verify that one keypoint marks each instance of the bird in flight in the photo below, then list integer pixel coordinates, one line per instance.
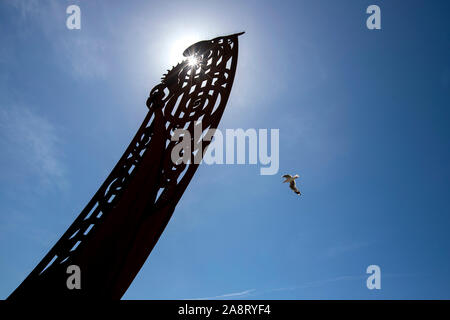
(291, 180)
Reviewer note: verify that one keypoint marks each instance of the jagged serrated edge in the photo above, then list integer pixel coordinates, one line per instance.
(165, 75)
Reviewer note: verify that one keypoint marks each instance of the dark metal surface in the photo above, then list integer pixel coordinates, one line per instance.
(112, 237)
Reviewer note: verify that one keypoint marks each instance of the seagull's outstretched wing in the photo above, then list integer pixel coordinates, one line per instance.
(287, 176)
(294, 187)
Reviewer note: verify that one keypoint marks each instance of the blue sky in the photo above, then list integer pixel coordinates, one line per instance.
(363, 118)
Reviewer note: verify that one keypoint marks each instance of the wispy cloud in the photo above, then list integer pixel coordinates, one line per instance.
(317, 283)
(81, 54)
(229, 295)
(26, 8)
(311, 284)
(31, 144)
(254, 292)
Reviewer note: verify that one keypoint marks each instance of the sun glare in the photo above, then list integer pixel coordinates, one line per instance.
(178, 45)
(193, 61)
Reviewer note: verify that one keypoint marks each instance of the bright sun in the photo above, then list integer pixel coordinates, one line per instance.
(193, 61)
(178, 44)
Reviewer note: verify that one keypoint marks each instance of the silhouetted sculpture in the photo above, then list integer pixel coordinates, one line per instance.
(114, 234)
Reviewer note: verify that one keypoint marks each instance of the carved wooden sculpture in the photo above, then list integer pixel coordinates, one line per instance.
(114, 234)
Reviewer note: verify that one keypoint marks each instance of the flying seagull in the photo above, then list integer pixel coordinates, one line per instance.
(291, 180)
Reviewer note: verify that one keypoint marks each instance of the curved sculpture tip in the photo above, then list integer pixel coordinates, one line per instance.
(200, 47)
